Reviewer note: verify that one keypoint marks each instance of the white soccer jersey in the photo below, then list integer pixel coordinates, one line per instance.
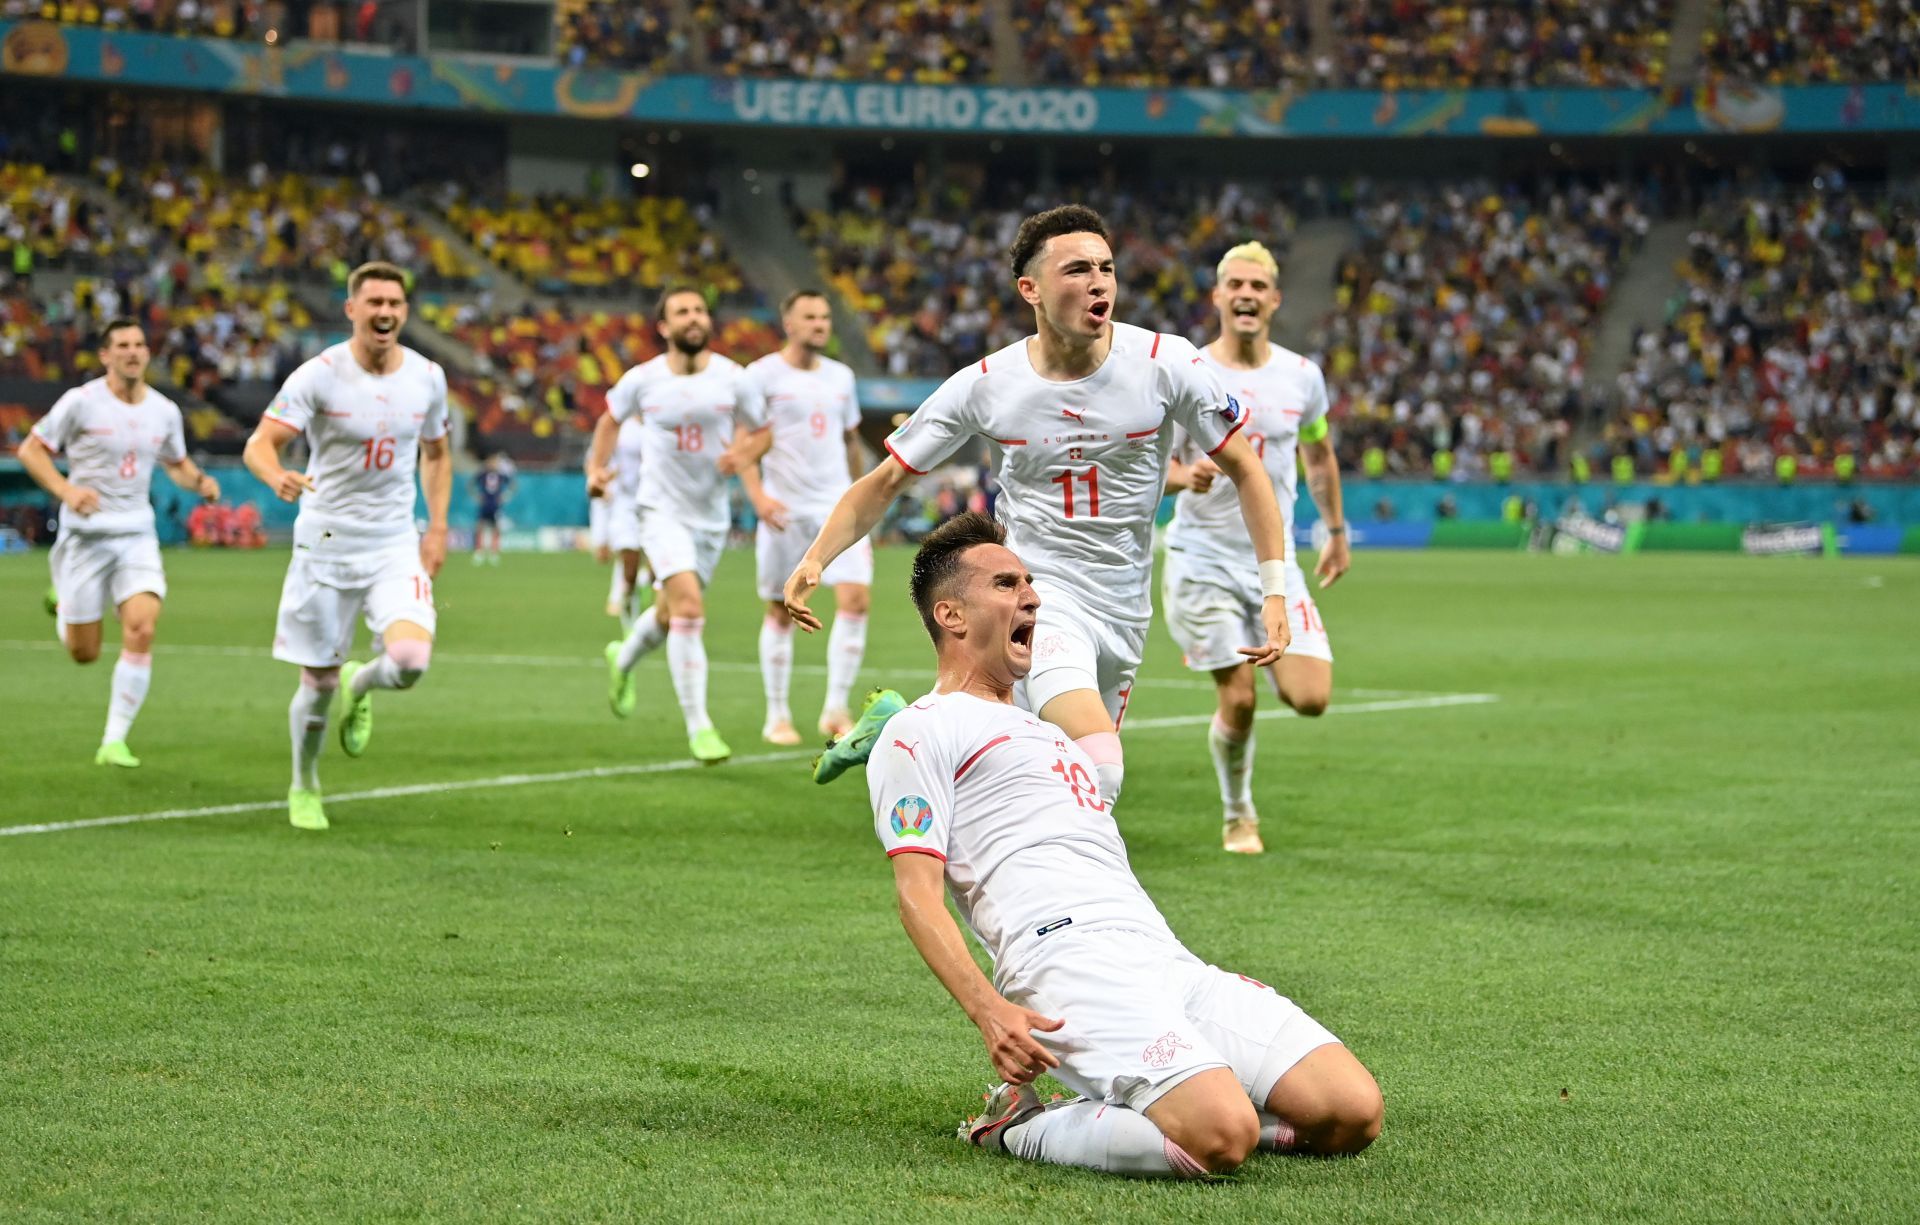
(628, 462)
(1012, 807)
(1280, 400)
(1081, 465)
(364, 432)
(111, 447)
(689, 420)
(810, 412)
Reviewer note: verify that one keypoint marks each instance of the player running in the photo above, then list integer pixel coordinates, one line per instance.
(1079, 420)
(1212, 602)
(811, 450)
(492, 490)
(372, 411)
(1184, 1068)
(624, 598)
(691, 403)
(113, 429)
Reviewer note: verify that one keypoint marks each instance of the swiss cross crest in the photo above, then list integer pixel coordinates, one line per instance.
(1074, 453)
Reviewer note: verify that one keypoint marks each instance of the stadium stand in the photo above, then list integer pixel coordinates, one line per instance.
(926, 264)
(1794, 333)
(46, 223)
(1409, 44)
(1134, 42)
(1462, 320)
(880, 40)
(600, 34)
(268, 225)
(1783, 42)
(561, 245)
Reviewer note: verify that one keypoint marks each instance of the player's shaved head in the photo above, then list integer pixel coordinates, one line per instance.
(937, 568)
(1036, 230)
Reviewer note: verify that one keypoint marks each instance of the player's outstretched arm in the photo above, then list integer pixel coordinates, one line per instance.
(1261, 512)
(262, 458)
(436, 482)
(189, 475)
(600, 453)
(854, 515)
(38, 461)
(1005, 1027)
(1323, 485)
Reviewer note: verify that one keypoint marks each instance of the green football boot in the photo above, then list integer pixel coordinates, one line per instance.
(303, 809)
(621, 694)
(856, 746)
(356, 715)
(116, 753)
(707, 747)
(51, 601)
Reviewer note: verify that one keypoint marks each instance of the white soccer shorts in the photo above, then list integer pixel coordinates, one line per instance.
(321, 598)
(1212, 611)
(674, 548)
(623, 525)
(1143, 1015)
(1074, 649)
(94, 572)
(777, 554)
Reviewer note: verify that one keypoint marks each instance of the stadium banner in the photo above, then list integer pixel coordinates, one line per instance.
(1578, 532)
(328, 73)
(1789, 540)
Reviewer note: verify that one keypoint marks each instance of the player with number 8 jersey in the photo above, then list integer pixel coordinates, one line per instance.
(374, 413)
(1078, 421)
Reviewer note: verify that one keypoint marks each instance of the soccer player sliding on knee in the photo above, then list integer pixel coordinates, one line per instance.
(374, 412)
(113, 430)
(1182, 1069)
(1213, 602)
(1079, 420)
(695, 409)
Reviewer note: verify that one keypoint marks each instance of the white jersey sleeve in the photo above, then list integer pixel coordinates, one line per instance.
(1314, 412)
(436, 425)
(943, 421)
(623, 398)
(301, 395)
(1196, 399)
(851, 419)
(62, 422)
(749, 402)
(910, 783)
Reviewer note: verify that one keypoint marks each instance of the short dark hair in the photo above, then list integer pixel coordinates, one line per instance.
(377, 270)
(670, 293)
(787, 303)
(1035, 230)
(118, 322)
(937, 563)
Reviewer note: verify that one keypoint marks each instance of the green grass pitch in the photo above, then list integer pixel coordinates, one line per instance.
(1638, 941)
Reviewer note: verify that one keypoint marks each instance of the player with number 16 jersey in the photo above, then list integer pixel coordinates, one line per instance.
(374, 413)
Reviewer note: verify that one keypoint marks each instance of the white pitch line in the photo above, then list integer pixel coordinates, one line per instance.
(668, 767)
(597, 664)
(389, 793)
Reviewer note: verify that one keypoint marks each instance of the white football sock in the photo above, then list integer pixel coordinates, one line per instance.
(617, 589)
(1276, 1136)
(846, 646)
(1232, 763)
(647, 634)
(1099, 1136)
(402, 664)
(307, 725)
(776, 667)
(132, 673)
(687, 658)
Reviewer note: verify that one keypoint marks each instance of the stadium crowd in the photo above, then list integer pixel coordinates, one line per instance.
(925, 263)
(1210, 43)
(1409, 44)
(877, 40)
(1797, 42)
(271, 21)
(1461, 323)
(1794, 334)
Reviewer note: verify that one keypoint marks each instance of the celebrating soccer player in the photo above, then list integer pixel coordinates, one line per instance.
(373, 411)
(1184, 1068)
(112, 429)
(1212, 602)
(1079, 419)
(692, 403)
(807, 456)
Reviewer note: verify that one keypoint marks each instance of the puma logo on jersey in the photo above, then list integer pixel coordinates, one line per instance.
(901, 744)
(1080, 416)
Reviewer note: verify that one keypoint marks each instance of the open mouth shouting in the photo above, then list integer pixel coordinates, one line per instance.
(384, 328)
(1249, 311)
(1021, 635)
(1099, 312)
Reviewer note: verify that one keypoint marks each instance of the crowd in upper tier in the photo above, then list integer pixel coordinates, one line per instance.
(1797, 332)
(1259, 44)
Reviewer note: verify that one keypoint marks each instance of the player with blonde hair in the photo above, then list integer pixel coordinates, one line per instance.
(1211, 600)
